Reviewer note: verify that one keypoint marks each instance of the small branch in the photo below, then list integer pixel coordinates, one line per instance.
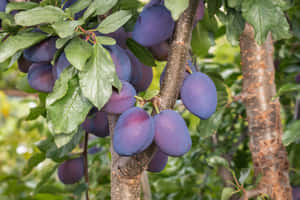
(18, 93)
(253, 193)
(145, 186)
(85, 156)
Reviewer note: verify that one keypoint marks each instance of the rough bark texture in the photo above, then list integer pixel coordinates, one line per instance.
(268, 153)
(127, 171)
(145, 186)
(122, 188)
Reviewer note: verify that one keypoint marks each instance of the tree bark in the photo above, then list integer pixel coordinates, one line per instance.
(263, 112)
(127, 171)
(145, 186)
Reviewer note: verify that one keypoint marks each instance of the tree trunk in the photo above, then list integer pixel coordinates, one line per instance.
(126, 172)
(263, 112)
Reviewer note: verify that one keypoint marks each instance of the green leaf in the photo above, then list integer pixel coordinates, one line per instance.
(289, 87)
(66, 28)
(36, 112)
(213, 6)
(79, 5)
(10, 62)
(47, 144)
(245, 172)
(97, 77)
(237, 4)
(105, 40)
(40, 15)
(141, 52)
(61, 86)
(200, 41)
(78, 52)
(235, 26)
(216, 161)
(60, 42)
(51, 168)
(292, 133)
(99, 7)
(33, 161)
(20, 6)
(150, 94)
(209, 127)
(227, 193)
(176, 7)
(67, 113)
(264, 16)
(13, 44)
(114, 21)
(71, 141)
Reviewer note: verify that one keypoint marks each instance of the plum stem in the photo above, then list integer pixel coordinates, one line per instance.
(85, 155)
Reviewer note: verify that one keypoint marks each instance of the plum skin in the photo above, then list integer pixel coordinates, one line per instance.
(158, 162)
(154, 25)
(120, 102)
(71, 171)
(121, 61)
(199, 95)
(40, 77)
(133, 133)
(97, 125)
(171, 133)
(61, 63)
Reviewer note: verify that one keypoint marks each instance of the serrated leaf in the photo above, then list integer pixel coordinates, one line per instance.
(209, 127)
(60, 42)
(235, 26)
(61, 86)
(33, 161)
(176, 7)
(64, 150)
(105, 40)
(67, 113)
(292, 133)
(79, 5)
(47, 144)
(142, 53)
(200, 41)
(114, 21)
(78, 52)
(244, 175)
(40, 15)
(13, 44)
(20, 6)
(10, 62)
(99, 7)
(66, 28)
(227, 193)
(97, 77)
(264, 16)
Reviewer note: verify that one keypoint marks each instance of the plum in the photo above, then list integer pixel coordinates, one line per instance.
(200, 11)
(120, 102)
(42, 52)
(199, 95)
(121, 61)
(160, 51)
(297, 78)
(40, 77)
(97, 124)
(141, 76)
(71, 171)
(120, 36)
(154, 25)
(171, 133)
(24, 64)
(133, 133)
(60, 65)
(3, 4)
(158, 162)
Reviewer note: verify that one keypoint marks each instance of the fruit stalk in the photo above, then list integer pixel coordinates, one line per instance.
(263, 112)
(126, 171)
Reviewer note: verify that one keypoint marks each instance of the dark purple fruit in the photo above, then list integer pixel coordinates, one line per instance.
(297, 78)
(199, 95)
(120, 102)
(40, 77)
(141, 76)
(171, 133)
(154, 25)
(71, 171)
(121, 61)
(133, 133)
(61, 64)
(200, 11)
(42, 52)
(160, 51)
(24, 64)
(97, 125)
(120, 36)
(158, 162)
